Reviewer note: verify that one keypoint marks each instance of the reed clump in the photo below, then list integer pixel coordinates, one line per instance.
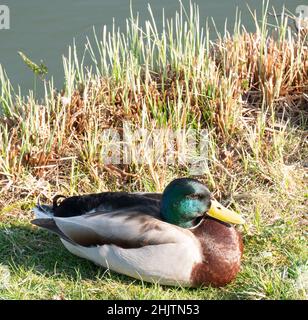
(247, 89)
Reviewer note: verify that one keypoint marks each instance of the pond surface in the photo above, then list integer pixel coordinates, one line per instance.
(43, 29)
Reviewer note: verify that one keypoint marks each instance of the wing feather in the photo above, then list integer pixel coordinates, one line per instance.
(106, 201)
(125, 228)
(131, 242)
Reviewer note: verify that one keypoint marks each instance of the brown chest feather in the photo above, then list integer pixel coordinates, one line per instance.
(222, 249)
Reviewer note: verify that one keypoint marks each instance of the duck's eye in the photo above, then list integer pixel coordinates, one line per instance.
(195, 196)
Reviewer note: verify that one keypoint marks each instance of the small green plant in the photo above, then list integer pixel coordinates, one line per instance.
(40, 71)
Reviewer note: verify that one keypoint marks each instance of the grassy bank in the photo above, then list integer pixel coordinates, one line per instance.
(248, 90)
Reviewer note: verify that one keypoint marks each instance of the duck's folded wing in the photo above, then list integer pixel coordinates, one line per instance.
(126, 229)
(106, 201)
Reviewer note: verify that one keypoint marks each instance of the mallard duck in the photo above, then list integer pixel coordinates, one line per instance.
(180, 237)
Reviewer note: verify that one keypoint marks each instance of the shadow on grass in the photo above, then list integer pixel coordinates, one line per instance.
(29, 248)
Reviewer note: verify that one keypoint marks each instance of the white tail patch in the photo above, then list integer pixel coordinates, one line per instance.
(41, 214)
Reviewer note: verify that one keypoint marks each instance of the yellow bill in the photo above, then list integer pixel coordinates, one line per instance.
(220, 212)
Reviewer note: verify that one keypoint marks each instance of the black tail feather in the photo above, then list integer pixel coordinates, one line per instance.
(105, 201)
(55, 200)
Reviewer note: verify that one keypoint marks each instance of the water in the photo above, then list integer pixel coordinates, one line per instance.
(43, 29)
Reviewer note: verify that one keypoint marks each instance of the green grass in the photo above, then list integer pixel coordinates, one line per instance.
(248, 90)
(41, 268)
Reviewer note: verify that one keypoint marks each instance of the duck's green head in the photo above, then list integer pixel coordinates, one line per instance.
(185, 201)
